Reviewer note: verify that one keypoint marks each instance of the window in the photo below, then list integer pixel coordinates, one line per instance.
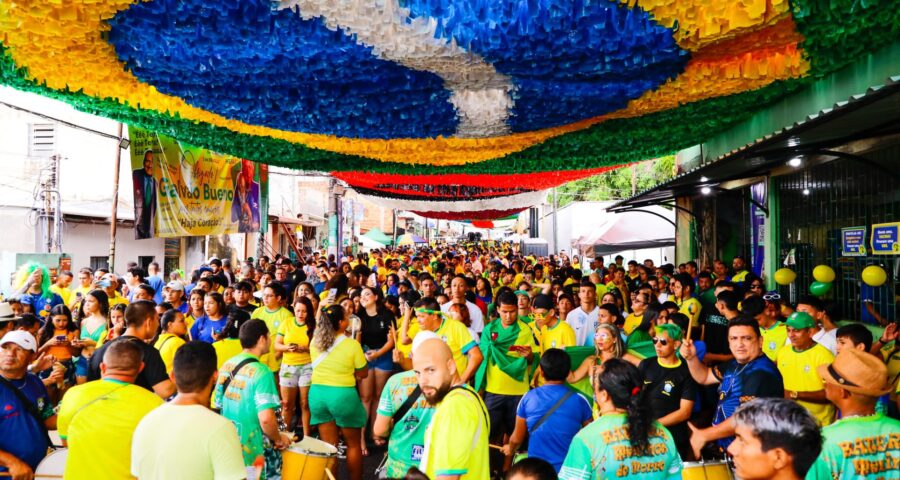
(99, 262)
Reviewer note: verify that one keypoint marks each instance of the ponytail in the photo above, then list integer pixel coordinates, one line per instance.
(327, 326)
(625, 386)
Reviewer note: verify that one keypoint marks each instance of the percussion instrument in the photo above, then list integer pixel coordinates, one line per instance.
(308, 459)
(717, 470)
(53, 465)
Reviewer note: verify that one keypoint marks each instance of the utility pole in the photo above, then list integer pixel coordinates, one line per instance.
(555, 234)
(113, 219)
(333, 248)
(395, 227)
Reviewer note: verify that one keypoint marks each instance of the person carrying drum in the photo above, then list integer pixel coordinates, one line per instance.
(403, 415)
(750, 375)
(774, 439)
(97, 419)
(27, 413)
(864, 443)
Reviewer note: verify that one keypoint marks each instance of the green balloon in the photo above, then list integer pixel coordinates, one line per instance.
(819, 288)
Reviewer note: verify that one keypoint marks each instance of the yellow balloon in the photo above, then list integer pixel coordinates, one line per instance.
(874, 276)
(823, 273)
(784, 276)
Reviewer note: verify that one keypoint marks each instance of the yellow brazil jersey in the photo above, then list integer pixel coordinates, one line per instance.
(601, 290)
(691, 308)
(559, 336)
(774, 339)
(292, 332)
(892, 359)
(117, 300)
(632, 321)
(273, 321)
(499, 382)
(339, 367)
(64, 293)
(99, 437)
(168, 344)
(799, 371)
(226, 349)
(189, 321)
(456, 441)
(414, 328)
(460, 341)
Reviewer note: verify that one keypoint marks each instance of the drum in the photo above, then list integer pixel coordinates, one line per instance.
(706, 471)
(53, 465)
(308, 459)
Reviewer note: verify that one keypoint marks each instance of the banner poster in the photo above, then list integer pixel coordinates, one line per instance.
(758, 228)
(886, 238)
(853, 242)
(181, 190)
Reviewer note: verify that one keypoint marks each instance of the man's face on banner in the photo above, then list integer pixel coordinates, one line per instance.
(148, 163)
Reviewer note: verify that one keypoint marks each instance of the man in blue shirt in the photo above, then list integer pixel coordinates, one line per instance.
(750, 375)
(555, 409)
(23, 439)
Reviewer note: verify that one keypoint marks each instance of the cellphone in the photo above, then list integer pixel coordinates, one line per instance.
(60, 338)
(332, 294)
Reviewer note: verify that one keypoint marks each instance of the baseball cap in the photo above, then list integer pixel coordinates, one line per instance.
(800, 320)
(173, 285)
(858, 372)
(21, 338)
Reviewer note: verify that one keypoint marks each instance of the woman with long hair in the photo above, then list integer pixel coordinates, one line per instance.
(94, 326)
(59, 337)
(116, 325)
(334, 404)
(626, 435)
(378, 344)
(195, 308)
(608, 345)
(208, 327)
(484, 295)
(293, 340)
(172, 332)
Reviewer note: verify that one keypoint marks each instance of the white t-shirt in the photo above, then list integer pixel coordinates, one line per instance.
(474, 314)
(186, 442)
(827, 339)
(584, 324)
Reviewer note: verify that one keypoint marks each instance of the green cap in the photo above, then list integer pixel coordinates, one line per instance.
(799, 320)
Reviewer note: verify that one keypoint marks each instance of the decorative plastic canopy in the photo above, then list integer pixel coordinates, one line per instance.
(477, 103)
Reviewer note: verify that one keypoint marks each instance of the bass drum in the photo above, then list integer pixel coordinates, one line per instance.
(53, 465)
(308, 459)
(707, 471)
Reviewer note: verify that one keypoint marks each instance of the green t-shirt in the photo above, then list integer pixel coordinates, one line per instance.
(603, 450)
(251, 391)
(859, 448)
(408, 435)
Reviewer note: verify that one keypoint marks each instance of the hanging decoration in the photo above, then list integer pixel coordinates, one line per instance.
(435, 100)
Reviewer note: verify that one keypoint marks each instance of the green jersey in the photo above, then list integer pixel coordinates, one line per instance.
(251, 391)
(408, 435)
(859, 448)
(603, 450)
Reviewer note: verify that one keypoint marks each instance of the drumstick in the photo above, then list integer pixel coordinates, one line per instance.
(36, 476)
(330, 475)
(495, 447)
(688, 335)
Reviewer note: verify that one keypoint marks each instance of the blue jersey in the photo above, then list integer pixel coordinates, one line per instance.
(204, 328)
(40, 304)
(739, 384)
(22, 436)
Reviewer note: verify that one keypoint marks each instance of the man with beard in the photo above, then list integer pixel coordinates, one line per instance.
(456, 442)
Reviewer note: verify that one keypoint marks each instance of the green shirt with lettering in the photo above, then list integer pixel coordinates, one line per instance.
(603, 450)
(407, 440)
(859, 448)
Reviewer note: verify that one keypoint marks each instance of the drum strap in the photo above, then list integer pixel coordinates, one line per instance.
(554, 408)
(30, 407)
(233, 374)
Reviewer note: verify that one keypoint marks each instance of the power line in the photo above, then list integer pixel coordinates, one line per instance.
(60, 121)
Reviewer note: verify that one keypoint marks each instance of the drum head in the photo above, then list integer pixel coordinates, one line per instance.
(52, 465)
(314, 447)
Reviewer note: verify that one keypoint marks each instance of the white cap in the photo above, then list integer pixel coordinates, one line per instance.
(21, 338)
(420, 338)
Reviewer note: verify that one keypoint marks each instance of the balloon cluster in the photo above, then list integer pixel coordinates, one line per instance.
(873, 275)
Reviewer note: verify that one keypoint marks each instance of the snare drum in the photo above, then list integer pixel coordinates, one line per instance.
(53, 465)
(308, 459)
(706, 471)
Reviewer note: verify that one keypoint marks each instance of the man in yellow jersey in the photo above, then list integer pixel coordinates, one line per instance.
(61, 286)
(799, 364)
(682, 292)
(774, 333)
(110, 284)
(739, 265)
(274, 314)
(555, 333)
(466, 354)
(456, 442)
(509, 347)
(97, 419)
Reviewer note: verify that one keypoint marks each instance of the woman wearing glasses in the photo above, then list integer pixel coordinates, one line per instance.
(670, 386)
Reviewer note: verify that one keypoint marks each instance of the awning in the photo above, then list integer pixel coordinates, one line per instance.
(378, 236)
(652, 227)
(873, 114)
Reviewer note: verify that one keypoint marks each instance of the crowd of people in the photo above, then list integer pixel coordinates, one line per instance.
(467, 361)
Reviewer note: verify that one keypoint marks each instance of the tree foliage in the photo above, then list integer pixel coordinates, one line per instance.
(619, 184)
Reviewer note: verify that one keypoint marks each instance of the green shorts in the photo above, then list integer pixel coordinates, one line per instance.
(336, 404)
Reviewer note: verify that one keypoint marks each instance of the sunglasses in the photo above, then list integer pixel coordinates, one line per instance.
(771, 297)
(661, 341)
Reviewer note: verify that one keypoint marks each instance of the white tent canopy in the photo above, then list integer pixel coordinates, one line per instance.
(633, 230)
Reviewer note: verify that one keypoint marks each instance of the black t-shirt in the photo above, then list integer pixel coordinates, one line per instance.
(154, 370)
(375, 329)
(247, 308)
(667, 387)
(716, 333)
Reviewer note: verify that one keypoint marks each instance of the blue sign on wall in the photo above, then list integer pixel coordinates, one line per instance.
(853, 242)
(885, 238)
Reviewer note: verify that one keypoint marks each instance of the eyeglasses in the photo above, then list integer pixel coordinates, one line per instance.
(772, 297)
(661, 341)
